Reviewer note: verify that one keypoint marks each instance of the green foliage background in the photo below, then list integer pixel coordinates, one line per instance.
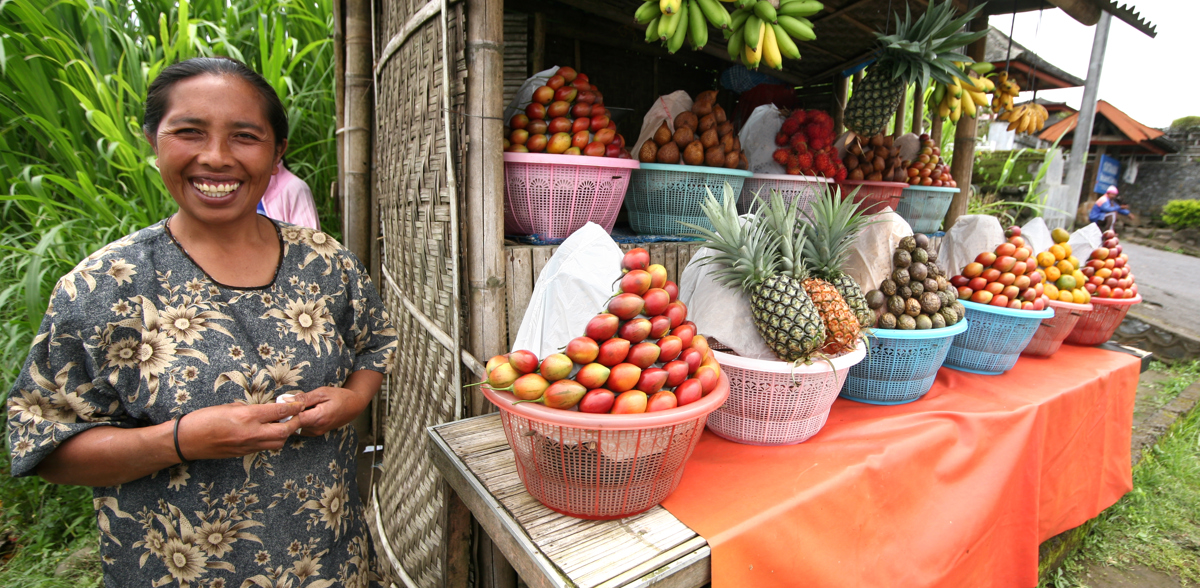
(1182, 214)
(76, 173)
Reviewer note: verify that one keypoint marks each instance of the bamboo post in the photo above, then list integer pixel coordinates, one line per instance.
(935, 127)
(964, 140)
(918, 121)
(840, 89)
(356, 207)
(539, 42)
(339, 99)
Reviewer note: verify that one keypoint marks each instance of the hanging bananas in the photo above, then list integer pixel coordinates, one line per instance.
(964, 96)
(1026, 118)
(757, 31)
(1006, 91)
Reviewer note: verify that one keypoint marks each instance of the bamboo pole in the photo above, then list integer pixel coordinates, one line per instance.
(356, 209)
(840, 89)
(901, 114)
(964, 140)
(539, 42)
(918, 120)
(339, 99)
(935, 128)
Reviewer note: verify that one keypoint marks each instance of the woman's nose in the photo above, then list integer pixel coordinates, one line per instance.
(215, 153)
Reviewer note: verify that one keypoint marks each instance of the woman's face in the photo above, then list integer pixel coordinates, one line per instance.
(216, 150)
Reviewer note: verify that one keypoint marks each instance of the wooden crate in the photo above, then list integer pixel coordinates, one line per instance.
(524, 264)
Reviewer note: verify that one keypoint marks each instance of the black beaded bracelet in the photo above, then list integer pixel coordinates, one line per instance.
(179, 453)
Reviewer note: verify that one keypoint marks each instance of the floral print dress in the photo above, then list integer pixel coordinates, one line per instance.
(137, 334)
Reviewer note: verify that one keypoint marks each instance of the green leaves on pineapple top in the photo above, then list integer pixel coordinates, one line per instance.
(748, 253)
(925, 48)
(834, 223)
(783, 220)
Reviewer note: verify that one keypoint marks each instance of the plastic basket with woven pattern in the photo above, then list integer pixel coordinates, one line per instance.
(995, 338)
(901, 365)
(661, 195)
(553, 195)
(602, 466)
(1051, 333)
(924, 207)
(804, 188)
(875, 196)
(777, 403)
(1099, 325)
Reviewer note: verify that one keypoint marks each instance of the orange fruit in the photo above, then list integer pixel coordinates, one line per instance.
(1051, 291)
(1053, 273)
(1074, 260)
(1065, 296)
(1058, 252)
(1065, 266)
(1066, 247)
(1045, 259)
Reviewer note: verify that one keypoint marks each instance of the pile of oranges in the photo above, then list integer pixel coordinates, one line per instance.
(1064, 280)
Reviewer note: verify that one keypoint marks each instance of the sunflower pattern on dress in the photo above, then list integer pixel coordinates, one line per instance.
(137, 334)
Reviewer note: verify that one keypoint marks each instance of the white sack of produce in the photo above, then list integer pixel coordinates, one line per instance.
(758, 140)
(870, 260)
(1084, 241)
(574, 286)
(666, 108)
(720, 312)
(1037, 235)
(524, 94)
(971, 235)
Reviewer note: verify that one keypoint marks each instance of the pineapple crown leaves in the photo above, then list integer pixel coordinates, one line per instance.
(833, 225)
(782, 219)
(925, 48)
(746, 249)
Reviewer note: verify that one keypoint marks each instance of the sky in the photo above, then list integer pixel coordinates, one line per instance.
(1142, 76)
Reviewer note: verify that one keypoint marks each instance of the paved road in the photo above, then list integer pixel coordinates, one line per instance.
(1170, 287)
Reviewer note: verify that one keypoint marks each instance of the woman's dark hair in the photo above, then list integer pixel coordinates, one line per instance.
(160, 89)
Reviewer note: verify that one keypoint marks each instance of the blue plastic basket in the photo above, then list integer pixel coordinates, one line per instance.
(995, 338)
(924, 207)
(661, 195)
(901, 365)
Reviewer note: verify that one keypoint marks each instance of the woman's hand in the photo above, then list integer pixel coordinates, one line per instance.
(234, 430)
(328, 408)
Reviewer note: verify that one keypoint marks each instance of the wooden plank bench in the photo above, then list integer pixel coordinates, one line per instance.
(552, 550)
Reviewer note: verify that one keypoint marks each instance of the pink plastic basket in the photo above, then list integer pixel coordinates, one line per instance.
(1050, 334)
(602, 466)
(775, 402)
(1098, 326)
(553, 195)
(875, 195)
(805, 188)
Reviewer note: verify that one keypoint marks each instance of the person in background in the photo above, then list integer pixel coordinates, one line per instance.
(289, 199)
(1104, 212)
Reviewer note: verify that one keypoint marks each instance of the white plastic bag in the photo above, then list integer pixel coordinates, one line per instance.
(870, 260)
(666, 108)
(719, 311)
(574, 286)
(758, 139)
(971, 235)
(1084, 241)
(524, 94)
(1037, 235)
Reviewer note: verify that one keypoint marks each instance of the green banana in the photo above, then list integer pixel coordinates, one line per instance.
(734, 45)
(675, 43)
(652, 29)
(670, 6)
(800, 8)
(752, 28)
(738, 18)
(698, 31)
(796, 29)
(939, 92)
(765, 11)
(982, 67)
(647, 12)
(786, 45)
(714, 12)
(747, 4)
(667, 25)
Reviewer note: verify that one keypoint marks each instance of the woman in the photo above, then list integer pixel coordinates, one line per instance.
(155, 373)
(1104, 212)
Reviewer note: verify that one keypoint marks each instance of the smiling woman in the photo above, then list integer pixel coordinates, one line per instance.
(154, 374)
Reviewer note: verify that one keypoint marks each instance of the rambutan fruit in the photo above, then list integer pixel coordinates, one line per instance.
(781, 139)
(781, 156)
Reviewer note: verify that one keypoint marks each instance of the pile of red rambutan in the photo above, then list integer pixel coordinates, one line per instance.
(806, 145)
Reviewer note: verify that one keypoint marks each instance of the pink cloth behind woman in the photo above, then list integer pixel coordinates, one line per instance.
(289, 199)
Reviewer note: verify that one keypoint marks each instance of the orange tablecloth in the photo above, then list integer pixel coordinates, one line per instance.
(957, 489)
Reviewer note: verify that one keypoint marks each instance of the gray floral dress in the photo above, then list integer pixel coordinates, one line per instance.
(136, 334)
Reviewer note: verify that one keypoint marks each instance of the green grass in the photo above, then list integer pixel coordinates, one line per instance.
(1157, 524)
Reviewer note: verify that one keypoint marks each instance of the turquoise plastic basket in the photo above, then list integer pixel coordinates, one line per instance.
(901, 365)
(995, 339)
(924, 207)
(662, 195)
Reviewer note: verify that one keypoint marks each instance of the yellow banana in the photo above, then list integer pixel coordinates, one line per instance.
(753, 53)
(968, 106)
(953, 101)
(670, 6)
(955, 114)
(943, 110)
(771, 53)
(955, 89)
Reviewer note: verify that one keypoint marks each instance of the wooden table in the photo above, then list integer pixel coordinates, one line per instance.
(552, 550)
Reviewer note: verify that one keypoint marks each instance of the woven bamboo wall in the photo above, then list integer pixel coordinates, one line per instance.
(418, 254)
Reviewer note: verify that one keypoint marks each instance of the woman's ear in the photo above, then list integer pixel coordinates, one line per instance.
(279, 151)
(151, 140)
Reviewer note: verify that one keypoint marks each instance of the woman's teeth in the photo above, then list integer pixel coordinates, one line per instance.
(216, 190)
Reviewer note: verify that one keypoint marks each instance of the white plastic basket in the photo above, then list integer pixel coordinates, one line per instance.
(777, 403)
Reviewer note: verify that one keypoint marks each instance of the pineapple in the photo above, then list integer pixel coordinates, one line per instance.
(833, 226)
(917, 51)
(783, 315)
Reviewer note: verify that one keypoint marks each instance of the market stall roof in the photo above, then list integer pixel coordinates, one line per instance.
(1024, 64)
(1116, 130)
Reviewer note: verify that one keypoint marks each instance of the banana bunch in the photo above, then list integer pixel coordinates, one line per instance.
(1026, 118)
(767, 30)
(675, 21)
(966, 94)
(1006, 91)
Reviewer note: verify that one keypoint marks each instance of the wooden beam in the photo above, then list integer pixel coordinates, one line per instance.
(539, 42)
(964, 140)
(918, 120)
